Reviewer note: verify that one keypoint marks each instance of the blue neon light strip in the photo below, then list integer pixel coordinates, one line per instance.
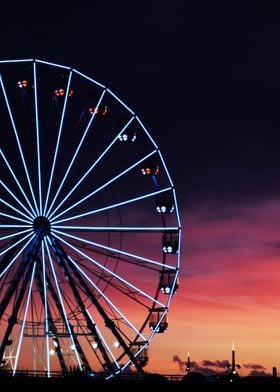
(15, 257)
(18, 144)
(104, 185)
(58, 141)
(74, 156)
(37, 138)
(117, 251)
(18, 184)
(24, 319)
(88, 78)
(17, 200)
(108, 300)
(15, 244)
(90, 169)
(92, 212)
(102, 267)
(17, 210)
(61, 302)
(15, 234)
(46, 310)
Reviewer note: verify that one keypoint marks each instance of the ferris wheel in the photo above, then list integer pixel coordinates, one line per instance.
(89, 225)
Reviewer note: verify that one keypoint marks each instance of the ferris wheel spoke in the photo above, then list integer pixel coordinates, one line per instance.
(14, 245)
(103, 340)
(75, 155)
(111, 206)
(32, 211)
(14, 235)
(63, 261)
(57, 144)
(24, 319)
(15, 209)
(143, 260)
(104, 185)
(108, 321)
(43, 293)
(18, 144)
(104, 296)
(102, 267)
(16, 256)
(15, 218)
(122, 229)
(90, 169)
(11, 226)
(61, 307)
(18, 302)
(18, 201)
(37, 138)
(43, 283)
(117, 286)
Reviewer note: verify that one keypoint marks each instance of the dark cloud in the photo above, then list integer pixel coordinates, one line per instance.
(182, 365)
(217, 364)
(253, 366)
(259, 373)
(208, 367)
(207, 371)
(205, 366)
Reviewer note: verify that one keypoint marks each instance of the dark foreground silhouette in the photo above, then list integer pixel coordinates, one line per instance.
(149, 382)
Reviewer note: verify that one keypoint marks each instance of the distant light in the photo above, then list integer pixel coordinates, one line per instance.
(123, 137)
(94, 110)
(150, 170)
(52, 351)
(55, 343)
(94, 345)
(127, 137)
(116, 344)
(105, 110)
(22, 83)
(166, 290)
(168, 249)
(59, 92)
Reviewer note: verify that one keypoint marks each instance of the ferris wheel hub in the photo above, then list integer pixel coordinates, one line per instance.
(41, 225)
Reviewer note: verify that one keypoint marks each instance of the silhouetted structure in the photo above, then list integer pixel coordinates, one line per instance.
(188, 364)
(233, 374)
(194, 378)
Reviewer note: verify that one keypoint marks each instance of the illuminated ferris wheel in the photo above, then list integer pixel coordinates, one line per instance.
(89, 225)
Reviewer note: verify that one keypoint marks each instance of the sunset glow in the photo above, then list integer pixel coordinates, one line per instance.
(229, 288)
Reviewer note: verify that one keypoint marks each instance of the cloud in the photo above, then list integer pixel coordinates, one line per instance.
(259, 373)
(253, 366)
(217, 364)
(206, 366)
(181, 364)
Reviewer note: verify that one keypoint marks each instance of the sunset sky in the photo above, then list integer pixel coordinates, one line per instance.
(205, 81)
